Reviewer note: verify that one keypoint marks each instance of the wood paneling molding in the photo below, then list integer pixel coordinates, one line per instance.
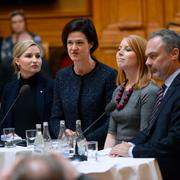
(129, 19)
(47, 20)
(113, 20)
(112, 35)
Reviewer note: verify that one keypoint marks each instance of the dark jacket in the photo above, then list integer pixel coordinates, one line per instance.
(43, 102)
(85, 98)
(163, 141)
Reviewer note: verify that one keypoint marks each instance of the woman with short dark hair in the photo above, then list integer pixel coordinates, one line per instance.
(83, 89)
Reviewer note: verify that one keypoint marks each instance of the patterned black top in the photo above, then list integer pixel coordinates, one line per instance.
(85, 98)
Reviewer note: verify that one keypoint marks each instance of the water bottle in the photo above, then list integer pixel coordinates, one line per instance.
(80, 149)
(39, 141)
(46, 136)
(63, 140)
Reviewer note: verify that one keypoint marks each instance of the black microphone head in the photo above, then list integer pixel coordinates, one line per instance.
(24, 89)
(110, 107)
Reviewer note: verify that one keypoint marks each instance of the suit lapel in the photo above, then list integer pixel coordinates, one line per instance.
(40, 98)
(168, 94)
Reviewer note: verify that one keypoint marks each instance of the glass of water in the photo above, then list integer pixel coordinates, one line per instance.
(30, 137)
(9, 134)
(92, 148)
(71, 145)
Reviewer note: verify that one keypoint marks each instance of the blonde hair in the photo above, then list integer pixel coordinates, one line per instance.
(138, 45)
(19, 48)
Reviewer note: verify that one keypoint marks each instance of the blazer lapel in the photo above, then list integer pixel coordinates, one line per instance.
(40, 99)
(168, 94)
(165, 98)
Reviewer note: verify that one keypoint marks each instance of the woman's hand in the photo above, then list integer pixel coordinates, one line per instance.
(120, 150)
(69, 133)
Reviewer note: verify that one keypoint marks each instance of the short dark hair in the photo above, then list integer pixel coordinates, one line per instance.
(83, 25)
(170, 38)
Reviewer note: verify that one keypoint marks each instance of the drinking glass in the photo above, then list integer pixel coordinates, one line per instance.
(9, 134)
(71, 143)
(55, 144)
(30, 137)
(92, 148)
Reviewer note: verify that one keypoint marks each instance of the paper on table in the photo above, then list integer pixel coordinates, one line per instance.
(104, 152)
(98, 166)
(15, 138)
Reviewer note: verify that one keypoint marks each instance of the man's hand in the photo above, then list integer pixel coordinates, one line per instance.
(121, 150)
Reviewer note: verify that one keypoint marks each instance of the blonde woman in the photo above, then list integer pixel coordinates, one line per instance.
(33, 106)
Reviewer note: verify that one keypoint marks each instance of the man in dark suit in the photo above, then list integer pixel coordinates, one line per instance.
(161, 139)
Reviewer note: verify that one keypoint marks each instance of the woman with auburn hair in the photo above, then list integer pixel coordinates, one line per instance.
(135, 94)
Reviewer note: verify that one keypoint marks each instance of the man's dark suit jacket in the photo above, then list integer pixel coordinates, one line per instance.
(43, 102)
(163, 140)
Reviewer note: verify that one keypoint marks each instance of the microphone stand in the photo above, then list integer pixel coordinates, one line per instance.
(77, 156)
(94, 123)
(9, 110)
(21, 91)
(1, 142)
(109, 108)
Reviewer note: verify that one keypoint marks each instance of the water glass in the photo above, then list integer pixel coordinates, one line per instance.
(71, 143)
(92, 148)
(30, 137)
(55, 145)
(64, 148)
(9, 134)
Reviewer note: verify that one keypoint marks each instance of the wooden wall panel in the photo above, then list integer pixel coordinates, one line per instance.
(50, 30)
(172, 11)
(46, 20)
(59, 8)
(155, 15)
(113, 20)
(118, 18)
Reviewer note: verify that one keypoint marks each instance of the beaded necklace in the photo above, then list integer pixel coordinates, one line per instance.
(120, 105)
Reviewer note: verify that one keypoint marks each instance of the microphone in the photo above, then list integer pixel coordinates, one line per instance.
(109, 108)
(22, 91)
